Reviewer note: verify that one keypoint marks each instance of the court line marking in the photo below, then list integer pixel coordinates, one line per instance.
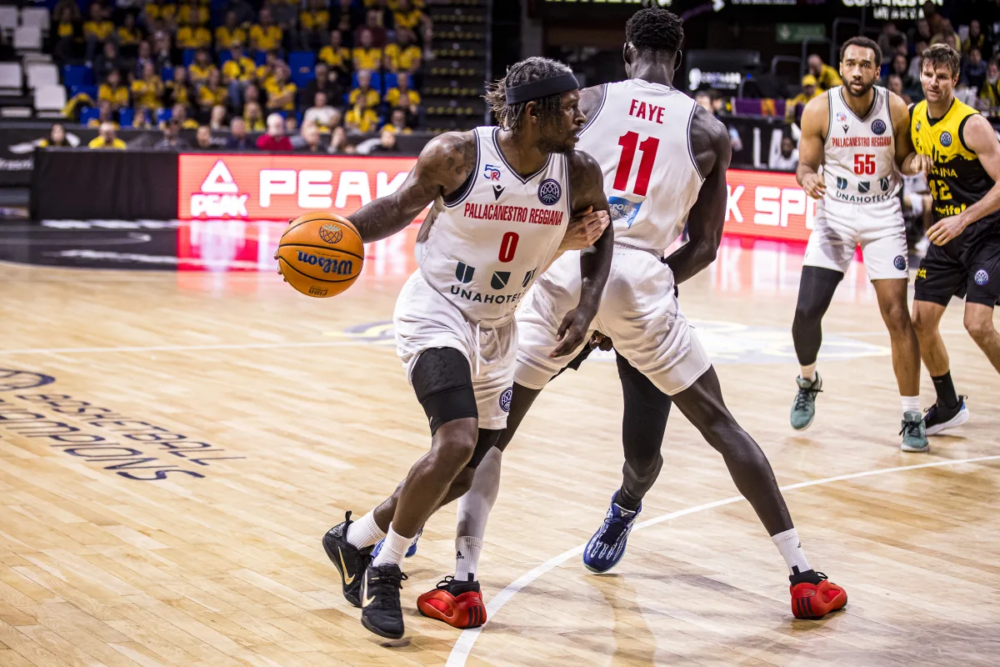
(186, 348)
(467, 640)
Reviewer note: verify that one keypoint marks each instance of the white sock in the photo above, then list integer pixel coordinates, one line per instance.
(791, 550)
(393, 549)
(809, 372)
(467, 557)
(364, 532)
(910, 404)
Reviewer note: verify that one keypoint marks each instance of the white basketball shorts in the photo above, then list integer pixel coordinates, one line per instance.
(424, 319)
(839, 227)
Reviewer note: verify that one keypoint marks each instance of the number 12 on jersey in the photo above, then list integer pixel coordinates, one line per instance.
(629, 141)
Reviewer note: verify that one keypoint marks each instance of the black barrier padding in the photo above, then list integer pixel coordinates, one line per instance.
(104, 184)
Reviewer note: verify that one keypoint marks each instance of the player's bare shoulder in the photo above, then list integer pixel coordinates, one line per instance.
(586, 179)
(590, 100)
(816, 116)
(710, 142)
(449, 158)
(899, 111)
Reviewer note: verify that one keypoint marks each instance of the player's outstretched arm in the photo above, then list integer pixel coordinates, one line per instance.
(815, 121)
(587, 185)
(713, 151)
(442, 167)
(979, 137)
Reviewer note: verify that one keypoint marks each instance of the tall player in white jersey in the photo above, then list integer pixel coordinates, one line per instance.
(664, 160)
(855, 139)
(502, 200)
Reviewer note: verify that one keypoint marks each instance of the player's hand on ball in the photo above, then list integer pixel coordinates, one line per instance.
(572, 331)
(814, 186)
(584, 229)
(946, 229)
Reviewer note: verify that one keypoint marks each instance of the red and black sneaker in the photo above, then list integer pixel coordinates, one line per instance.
(813, 596)
(457, 603)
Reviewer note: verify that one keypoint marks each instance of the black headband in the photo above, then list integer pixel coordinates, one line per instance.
(555, 85)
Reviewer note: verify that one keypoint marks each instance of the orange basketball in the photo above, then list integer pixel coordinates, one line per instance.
(320, 254)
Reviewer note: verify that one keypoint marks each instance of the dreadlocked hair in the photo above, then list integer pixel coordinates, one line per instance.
(511, 116)
(655, 29)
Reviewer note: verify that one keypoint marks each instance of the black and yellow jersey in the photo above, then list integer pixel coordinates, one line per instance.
(958, 179)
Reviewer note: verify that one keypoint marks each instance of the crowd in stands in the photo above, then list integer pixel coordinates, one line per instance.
(324, 70)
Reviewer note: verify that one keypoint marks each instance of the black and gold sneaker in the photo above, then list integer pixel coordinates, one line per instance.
(380, 609)
(350, 561)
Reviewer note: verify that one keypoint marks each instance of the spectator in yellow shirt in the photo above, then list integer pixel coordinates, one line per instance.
(397, 123)
(281, 91)
(212, 94)
(97, 30)
(160, 15)
(129, 37)
(237, 72)
(194, 37)
(265, 36)
(193, 13)
(201, 68)
(314, 25)
(406, 16)
(230, 32)
(254, 118)
(402, 96)
(335, 54)
(178, 91)
(364, 94)
(105, 115)
(113, 92)
(810, 89)
(107, 138)
(404, 56)
(360, 120)
(148, 91)
(366, 56)
(179, 115)
(826, 76)
(266, 71)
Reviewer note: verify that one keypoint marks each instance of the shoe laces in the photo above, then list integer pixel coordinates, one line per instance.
(614, 526)
(911, 428)
(445, 583)
(804, 396)
(383, 585)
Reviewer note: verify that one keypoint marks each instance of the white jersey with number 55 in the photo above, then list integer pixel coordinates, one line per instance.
(641, 137)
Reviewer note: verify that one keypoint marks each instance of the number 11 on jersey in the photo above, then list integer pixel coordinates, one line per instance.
(629, 141)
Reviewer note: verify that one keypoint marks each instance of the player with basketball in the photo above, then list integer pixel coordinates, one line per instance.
(664, 161)
(959, 151)
(502, 199)
(855, 140)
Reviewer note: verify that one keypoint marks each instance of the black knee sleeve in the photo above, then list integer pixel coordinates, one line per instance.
(644, 421)
(442, 381)
(487, 439)
(816, 289)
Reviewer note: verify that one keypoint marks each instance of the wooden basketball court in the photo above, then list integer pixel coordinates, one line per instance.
(174, 445)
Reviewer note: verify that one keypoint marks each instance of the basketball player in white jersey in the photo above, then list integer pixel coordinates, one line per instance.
(502, 199)
(855, 139)
(664, 160)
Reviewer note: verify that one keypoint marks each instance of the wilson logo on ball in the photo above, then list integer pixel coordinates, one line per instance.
(331, 233)
(343, 267)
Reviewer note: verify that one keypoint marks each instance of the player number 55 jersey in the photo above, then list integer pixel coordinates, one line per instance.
(859, 164)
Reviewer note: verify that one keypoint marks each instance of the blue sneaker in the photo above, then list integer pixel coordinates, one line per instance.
(606, 548)
(410, 553)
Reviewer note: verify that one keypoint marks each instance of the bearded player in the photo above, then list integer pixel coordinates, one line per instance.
(959, 150)
(664, 160)
(855, 140)
(502, 199)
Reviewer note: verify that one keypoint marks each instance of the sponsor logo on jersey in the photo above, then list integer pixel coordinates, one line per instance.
(918, 126)
(528, 277)
(497, 191)
(878, 126)
(505, 401)
(500, 279)
(479, 297)
(946, 139)
(864, 187)
(342, 267)
(921, 273)
(841, 183)
(884, 182)
(899, 262)
(841, 118)
(981, 277)
(219, 196)
(464, 272)
(846, 128)
(492, 173)
(623, 210)
(549, 192)
(331, 233)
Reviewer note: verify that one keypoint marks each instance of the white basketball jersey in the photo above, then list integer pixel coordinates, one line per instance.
(641, 137)
(484, 246)
(859, 164)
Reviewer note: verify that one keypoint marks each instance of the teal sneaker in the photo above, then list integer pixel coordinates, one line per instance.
(804, 405)
(914, 433)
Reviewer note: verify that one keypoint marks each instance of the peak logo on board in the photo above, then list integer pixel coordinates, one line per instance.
(219, 196)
